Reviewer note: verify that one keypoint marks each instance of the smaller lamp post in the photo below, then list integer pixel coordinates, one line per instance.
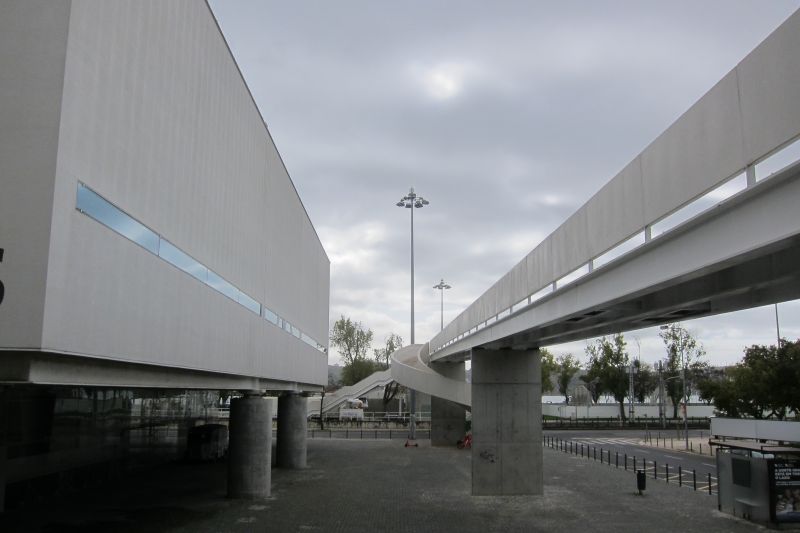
(442, 286)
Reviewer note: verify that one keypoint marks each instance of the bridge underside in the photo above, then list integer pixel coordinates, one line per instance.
(34, 367)
(741, 254)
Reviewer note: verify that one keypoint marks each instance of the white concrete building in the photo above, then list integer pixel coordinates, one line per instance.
(151, 236)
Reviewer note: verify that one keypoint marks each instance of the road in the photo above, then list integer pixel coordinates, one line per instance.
(630, 442)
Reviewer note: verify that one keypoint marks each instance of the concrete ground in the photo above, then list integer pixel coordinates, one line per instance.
(372, 486)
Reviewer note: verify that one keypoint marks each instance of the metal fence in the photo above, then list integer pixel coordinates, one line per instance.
(366, 433)
(683, 477)
(645, 423)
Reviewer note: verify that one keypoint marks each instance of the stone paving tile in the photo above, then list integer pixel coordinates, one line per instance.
(357, 486)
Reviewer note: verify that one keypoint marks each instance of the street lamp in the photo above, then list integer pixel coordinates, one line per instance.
(442, 286)
(412, 201)
(661, 416)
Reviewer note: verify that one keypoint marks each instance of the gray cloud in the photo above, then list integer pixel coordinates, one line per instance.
(506, 116)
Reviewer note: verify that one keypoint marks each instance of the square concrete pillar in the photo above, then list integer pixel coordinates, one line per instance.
(447, 418)
(506, 422)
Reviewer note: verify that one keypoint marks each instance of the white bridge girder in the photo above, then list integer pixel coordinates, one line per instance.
(743, 253)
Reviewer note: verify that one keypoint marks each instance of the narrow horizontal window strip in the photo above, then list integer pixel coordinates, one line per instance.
(109, 215)
(98, 208)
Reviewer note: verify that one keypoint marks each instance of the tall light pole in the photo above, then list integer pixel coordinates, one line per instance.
(412, 201)
(442, 286)
(661, 416)
(685, 403)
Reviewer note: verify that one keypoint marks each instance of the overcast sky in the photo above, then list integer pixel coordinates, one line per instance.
(506, 116)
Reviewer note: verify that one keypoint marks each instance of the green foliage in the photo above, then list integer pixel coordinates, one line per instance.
(708, 387)
(765, 381)
(392, 344)
(549, 368)
(608, 361)
(568, 366)
(684, 354)
(351, 340)
(645, 381)
(359, 369)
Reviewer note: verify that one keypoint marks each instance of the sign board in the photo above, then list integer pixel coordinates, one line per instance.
(784, 479)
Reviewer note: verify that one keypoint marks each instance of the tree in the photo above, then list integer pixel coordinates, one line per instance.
(359, 369)
(764, 382)
(382, 358)
(710, 385)
(568, 366)
(549, 368)
(590, 380)
(382, 355)
(645, 381)
(726, 398)
(684, 354)
(608, 361)
(352, 341)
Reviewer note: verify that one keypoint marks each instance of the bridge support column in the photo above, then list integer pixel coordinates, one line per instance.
(447, 418)
(291, 449)
(250, 447)
(506, 422)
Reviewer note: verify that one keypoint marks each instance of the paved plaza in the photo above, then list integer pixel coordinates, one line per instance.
(372, 486)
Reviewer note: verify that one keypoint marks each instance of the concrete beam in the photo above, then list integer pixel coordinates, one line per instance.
(506, 422)
(52, 368)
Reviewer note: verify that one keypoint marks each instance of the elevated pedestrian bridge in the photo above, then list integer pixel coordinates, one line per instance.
(611, 266)
(621, 262)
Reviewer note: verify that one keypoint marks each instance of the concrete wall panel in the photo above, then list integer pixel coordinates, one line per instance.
(617, 211)
(539, 266)
(570, 244)
(134, 307)
(769, 80)
(33, 36)
(157, 119)
(699, 150)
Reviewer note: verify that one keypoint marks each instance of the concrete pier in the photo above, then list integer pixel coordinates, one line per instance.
(250, 446)
(447, 418)
(506, 422)
(292, 445)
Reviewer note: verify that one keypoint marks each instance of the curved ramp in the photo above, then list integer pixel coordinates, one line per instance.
(335, 399)
(409, 369)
